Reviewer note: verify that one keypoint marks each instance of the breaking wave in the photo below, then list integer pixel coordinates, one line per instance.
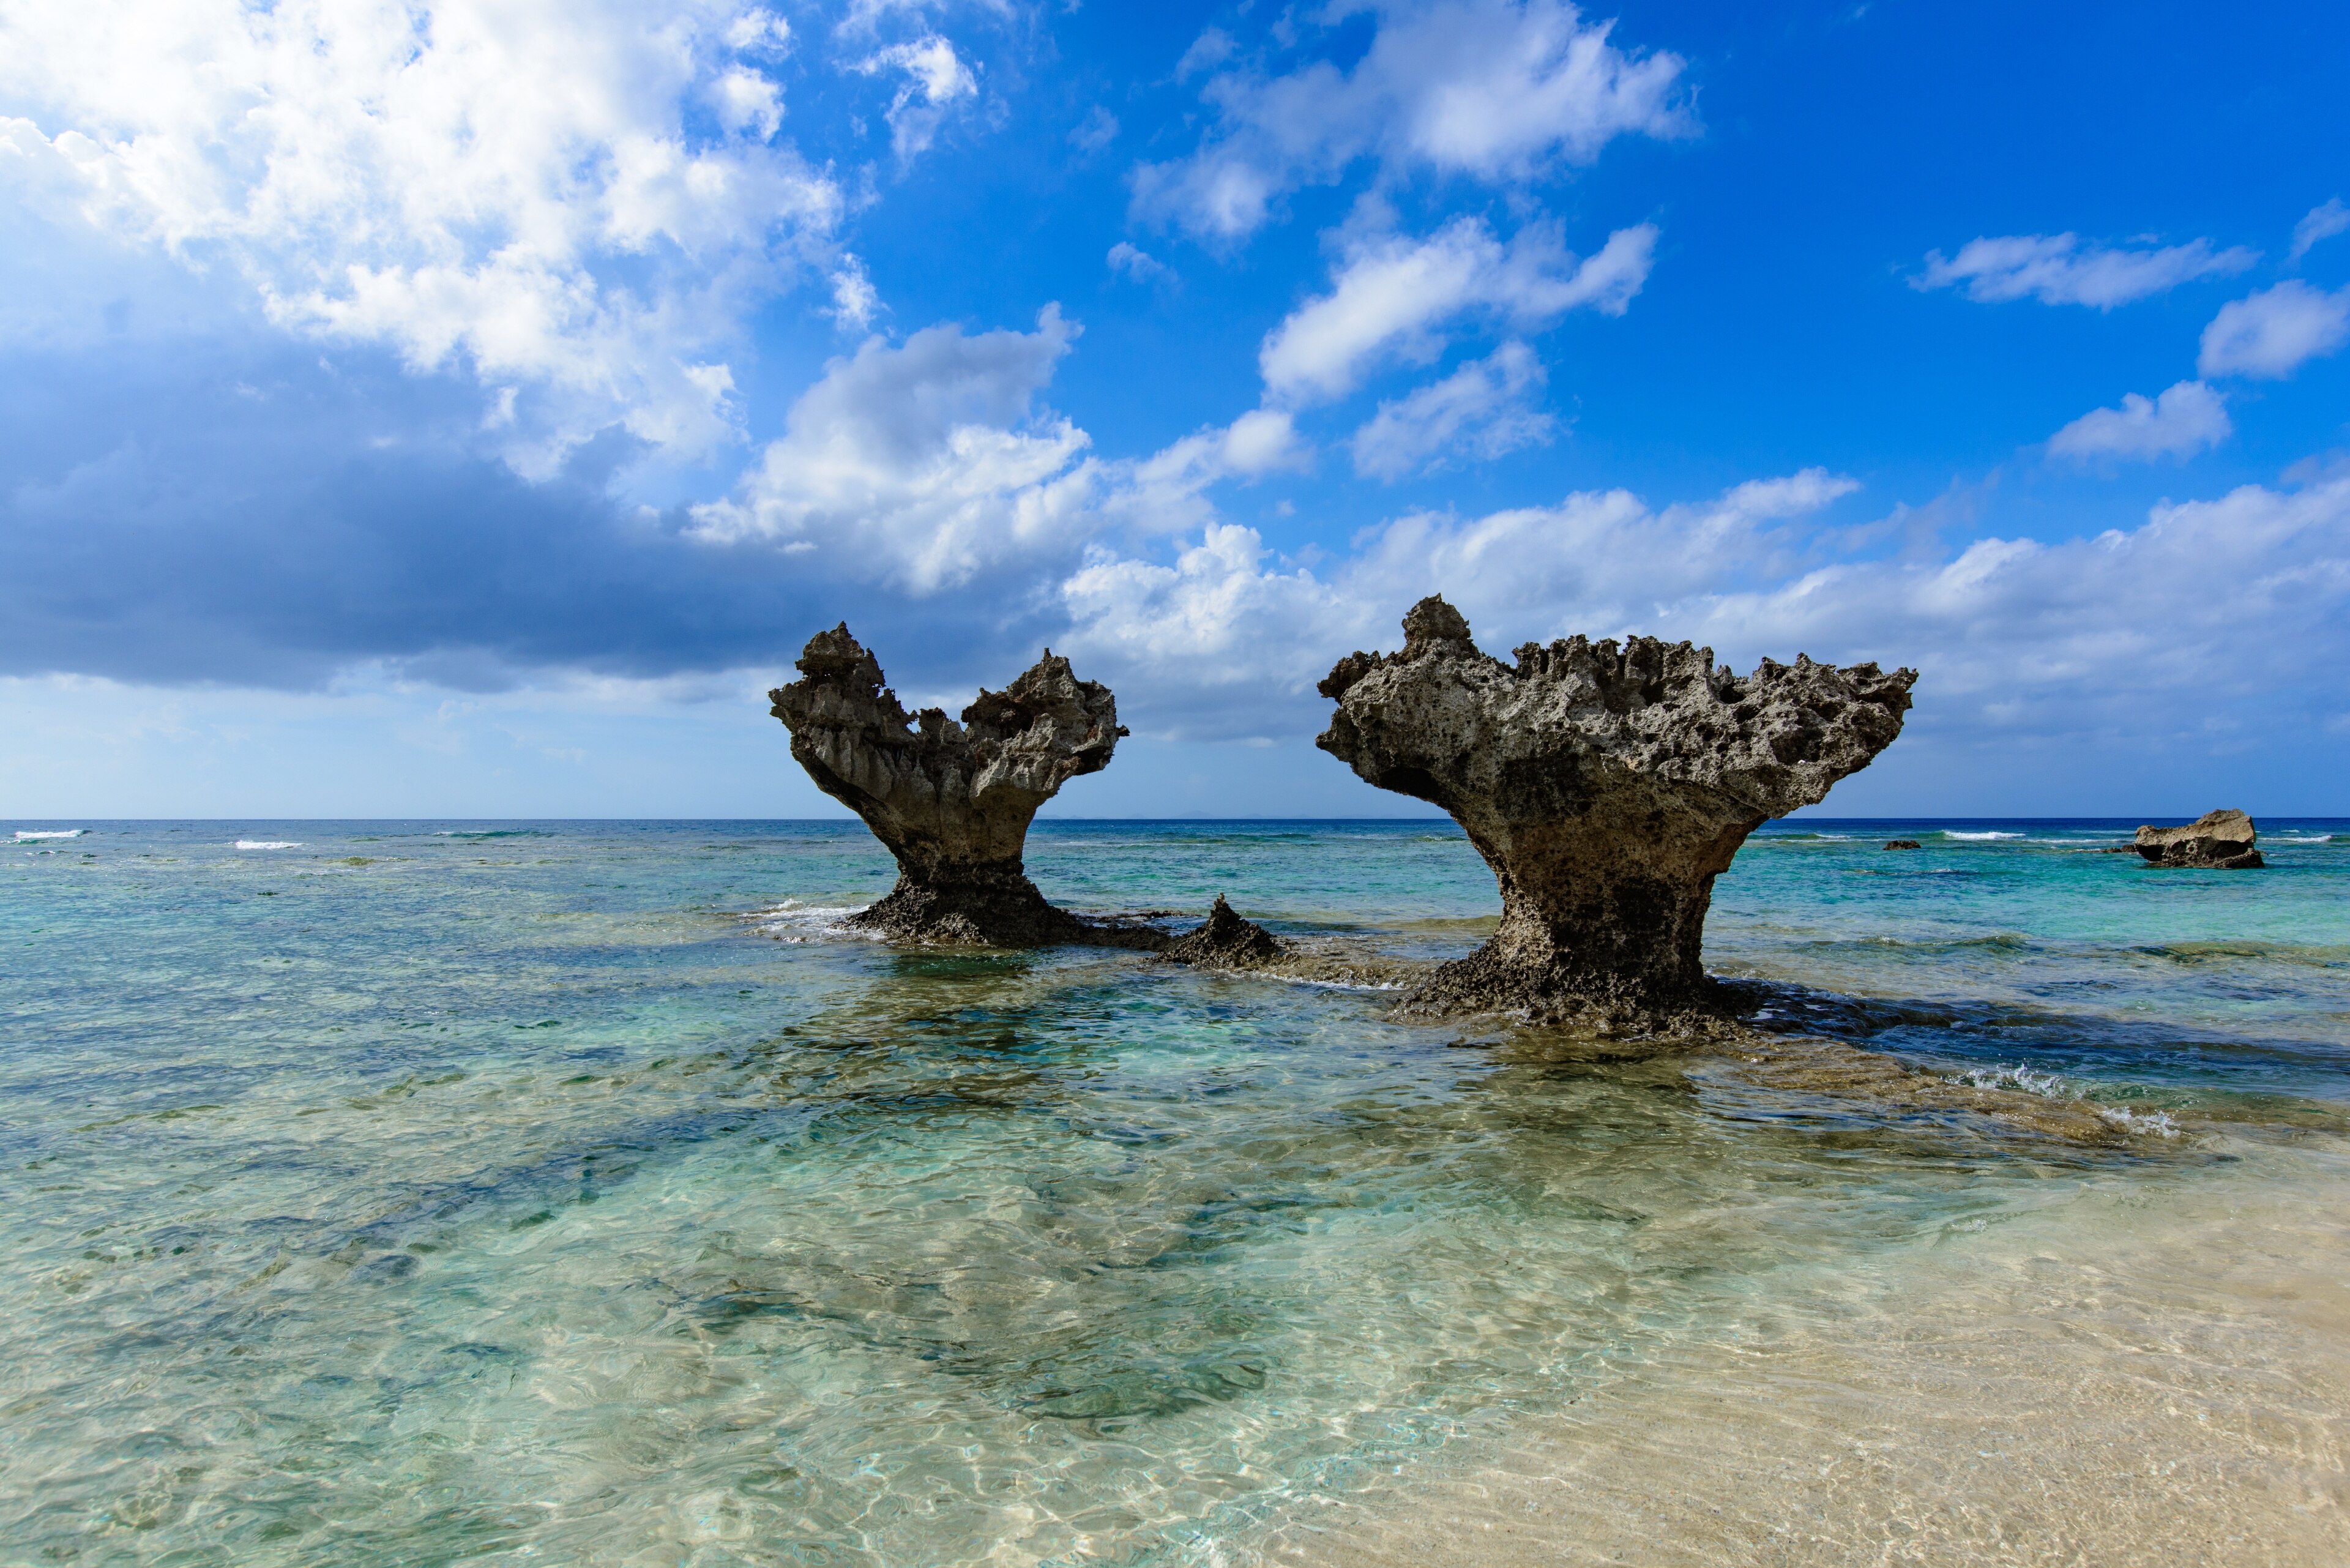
(792, 921)
(1994, 833)
(267, 844)
(25, 833)
(2022, 1079)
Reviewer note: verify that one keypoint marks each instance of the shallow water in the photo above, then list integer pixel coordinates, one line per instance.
(410, 1192)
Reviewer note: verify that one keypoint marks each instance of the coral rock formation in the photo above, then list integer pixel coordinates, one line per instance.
(1607, 787)
(1226, 942)
(2220, 839)
(952, 802)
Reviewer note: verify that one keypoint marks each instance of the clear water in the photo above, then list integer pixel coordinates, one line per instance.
(574, 1192)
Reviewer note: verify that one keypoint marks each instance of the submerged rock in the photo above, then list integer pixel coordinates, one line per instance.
(1903, 844)
(952, 802)
(1607, 787)
(1227, 941)
(2222, 840)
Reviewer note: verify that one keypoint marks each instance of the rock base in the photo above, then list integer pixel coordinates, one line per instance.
(993, 912)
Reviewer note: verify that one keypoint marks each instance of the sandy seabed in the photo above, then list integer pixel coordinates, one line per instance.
(2119, 1382)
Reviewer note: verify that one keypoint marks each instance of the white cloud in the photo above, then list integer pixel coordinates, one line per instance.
(2127, 631)
(926, 466)
(855, 300)
(1482, 409)
(920, 466)
(2272, 332)
(1096, 132)
(1501, 90)
(1212, 48)
(511, 187)
(936, 80)
(1136, 263)
(1389, 296)
(1225, 637)
(2057, 269)
(2182, 421)
(2320, 224)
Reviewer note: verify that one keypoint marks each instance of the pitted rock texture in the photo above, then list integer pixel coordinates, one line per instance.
(952, 802)
(1607, 787)
(2220, 840)
(1226, 942)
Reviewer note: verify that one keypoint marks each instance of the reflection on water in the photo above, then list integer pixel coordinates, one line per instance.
(423, 1194)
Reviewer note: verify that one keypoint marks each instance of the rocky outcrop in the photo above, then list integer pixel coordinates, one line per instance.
(1226, 942)
(1606, 785)
(1902, 843)
(2221, 840)
(952, 802)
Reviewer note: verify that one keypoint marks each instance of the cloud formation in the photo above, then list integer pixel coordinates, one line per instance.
(2057, 269)
(2321, 222)
(2183, 421)
(1484, 408)
(936, 80)
(917, 465)
(1497, 90)
(574, 204)
(2014, 637)
(1391, 296)
(2273, 333)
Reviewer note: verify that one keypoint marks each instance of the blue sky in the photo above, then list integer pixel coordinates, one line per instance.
(470, 408)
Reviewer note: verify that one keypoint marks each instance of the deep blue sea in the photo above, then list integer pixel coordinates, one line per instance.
(380, 1192)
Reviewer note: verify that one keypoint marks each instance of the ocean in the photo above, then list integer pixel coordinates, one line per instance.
(579, 1192)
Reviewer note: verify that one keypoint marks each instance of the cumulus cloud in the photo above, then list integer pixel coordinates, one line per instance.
(1389, 296)
(2321, 222)
(2272, 333)
(2182, 421)
(2014, 636)
(1226, 639)
(520, 190)
(1484, 408)
(920, 466)
(2057, 269)
(1497, 90)
(936, 80)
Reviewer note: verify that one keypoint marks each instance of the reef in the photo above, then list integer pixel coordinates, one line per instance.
(952, 802)
(1227, 941)
(1902, 843)
(2219, 840)
(1606, 785)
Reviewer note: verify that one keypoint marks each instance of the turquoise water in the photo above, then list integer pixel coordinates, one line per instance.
(577, 1193)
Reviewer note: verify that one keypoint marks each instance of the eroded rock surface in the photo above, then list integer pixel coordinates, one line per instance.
(2218, 840)
(1227, 941)
(1607, 787)
(952, 802)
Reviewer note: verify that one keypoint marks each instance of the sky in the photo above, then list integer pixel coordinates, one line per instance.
(468, 407)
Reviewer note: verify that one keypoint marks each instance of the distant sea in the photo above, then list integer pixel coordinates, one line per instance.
(380, 1192)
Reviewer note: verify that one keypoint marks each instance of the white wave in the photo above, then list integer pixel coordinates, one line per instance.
(2047, 1085)
(23, 834)
(2273, 837)
(2152, 1124)
(1954, 832)
(792, 921)
(267, 844)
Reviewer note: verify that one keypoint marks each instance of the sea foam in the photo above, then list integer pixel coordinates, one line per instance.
(267, 844)
(23, 834)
